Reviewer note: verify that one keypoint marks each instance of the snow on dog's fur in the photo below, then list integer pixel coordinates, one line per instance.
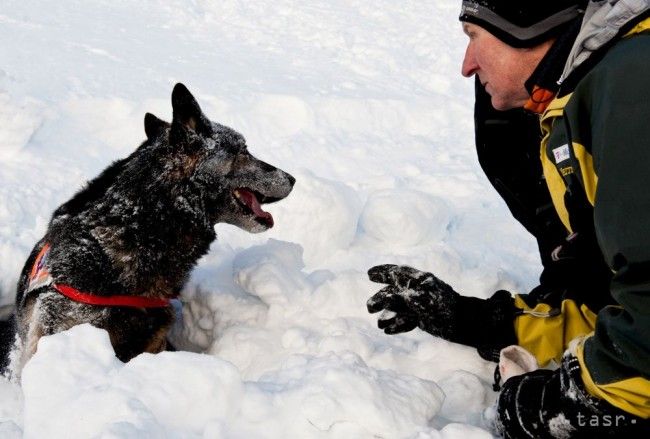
(140, 227)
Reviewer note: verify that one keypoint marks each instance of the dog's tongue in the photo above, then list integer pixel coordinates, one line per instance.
(249, 199)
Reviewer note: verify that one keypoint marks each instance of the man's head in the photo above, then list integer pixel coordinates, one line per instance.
(508, 39)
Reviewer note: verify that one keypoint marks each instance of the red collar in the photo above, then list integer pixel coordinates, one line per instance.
(539, 100)
(40, 276)
(92, 299)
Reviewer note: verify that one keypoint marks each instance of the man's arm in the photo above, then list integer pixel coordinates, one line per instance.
(616, 360)
(602, 388)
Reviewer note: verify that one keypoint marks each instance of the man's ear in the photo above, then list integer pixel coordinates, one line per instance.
(153, 126)
(187, 114)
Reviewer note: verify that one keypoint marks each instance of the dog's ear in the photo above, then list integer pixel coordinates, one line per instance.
(187, 113)
(153, 126)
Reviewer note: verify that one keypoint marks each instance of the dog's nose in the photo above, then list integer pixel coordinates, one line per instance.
(291, 179)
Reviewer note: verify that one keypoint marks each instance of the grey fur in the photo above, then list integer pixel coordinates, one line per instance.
(140, 227)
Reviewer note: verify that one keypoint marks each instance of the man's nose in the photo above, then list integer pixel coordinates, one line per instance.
(470, 66)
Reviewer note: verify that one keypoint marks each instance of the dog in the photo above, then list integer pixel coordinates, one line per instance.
(117, 252)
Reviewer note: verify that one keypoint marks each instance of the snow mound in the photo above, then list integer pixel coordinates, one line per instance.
(405, 217)
(75, 387)
(20, 120)
(324, 214)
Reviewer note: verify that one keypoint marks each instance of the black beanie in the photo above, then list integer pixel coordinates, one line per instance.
(522, 23)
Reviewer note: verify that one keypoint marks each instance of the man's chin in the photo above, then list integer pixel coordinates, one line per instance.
(505, 104)
(506, 101)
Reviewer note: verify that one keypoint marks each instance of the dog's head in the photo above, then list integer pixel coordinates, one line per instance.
(209, 168)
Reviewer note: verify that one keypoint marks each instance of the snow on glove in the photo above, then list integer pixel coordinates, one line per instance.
(414, 298)
(554, 404)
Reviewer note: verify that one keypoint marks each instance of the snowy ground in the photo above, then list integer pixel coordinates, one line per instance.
(363, 102)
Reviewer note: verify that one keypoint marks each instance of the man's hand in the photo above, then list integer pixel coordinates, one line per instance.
(555, 404)
(413, 298)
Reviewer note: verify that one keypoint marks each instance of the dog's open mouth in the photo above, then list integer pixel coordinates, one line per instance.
(251, 202)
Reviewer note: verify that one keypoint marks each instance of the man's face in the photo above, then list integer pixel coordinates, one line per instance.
(502, 69)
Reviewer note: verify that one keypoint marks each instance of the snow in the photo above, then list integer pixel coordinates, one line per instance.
(361, 101)
(177, 394)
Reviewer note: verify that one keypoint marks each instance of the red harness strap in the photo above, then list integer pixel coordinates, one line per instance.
(92, 299)
(40, 276)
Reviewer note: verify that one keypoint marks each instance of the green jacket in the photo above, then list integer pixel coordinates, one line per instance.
(596, 159)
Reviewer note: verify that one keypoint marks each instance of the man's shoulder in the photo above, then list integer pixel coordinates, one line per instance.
(633, 50)
(627, 59)
(623, 72)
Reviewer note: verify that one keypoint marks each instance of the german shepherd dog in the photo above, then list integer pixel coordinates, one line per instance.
(121, 248)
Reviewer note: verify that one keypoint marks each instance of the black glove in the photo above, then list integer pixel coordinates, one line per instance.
(414, 298)
(554, 404)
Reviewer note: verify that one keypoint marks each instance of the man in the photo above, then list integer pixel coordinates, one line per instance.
(584, 68)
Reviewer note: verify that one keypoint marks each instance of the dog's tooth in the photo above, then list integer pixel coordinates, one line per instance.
(237, 194)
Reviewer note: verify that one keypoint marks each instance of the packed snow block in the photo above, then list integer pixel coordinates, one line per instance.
(10, 430)
(466, 397)
(322, 216)
(207, 310)
(213, 301)
(10, 410)
(405, 218)
(75, 387)
(31, 183)
(343, 296)
(456, 431)
(272, 271)
(340, 393)
(114, 121)
(281, 116)
(19, 122)
(60, 382)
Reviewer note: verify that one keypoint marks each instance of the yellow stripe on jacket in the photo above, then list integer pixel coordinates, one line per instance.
(547, 337)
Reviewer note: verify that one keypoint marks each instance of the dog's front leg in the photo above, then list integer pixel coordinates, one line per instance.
(31, 332)
(158, 341)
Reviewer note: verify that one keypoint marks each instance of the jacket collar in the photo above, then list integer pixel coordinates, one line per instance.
(603, 24)
(578, 49)
(543, 85)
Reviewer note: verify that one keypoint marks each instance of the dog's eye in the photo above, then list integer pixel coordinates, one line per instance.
(242, 157)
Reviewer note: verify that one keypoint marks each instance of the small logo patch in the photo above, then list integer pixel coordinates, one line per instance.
(469, 8)
(40, 275)
(561, 153)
